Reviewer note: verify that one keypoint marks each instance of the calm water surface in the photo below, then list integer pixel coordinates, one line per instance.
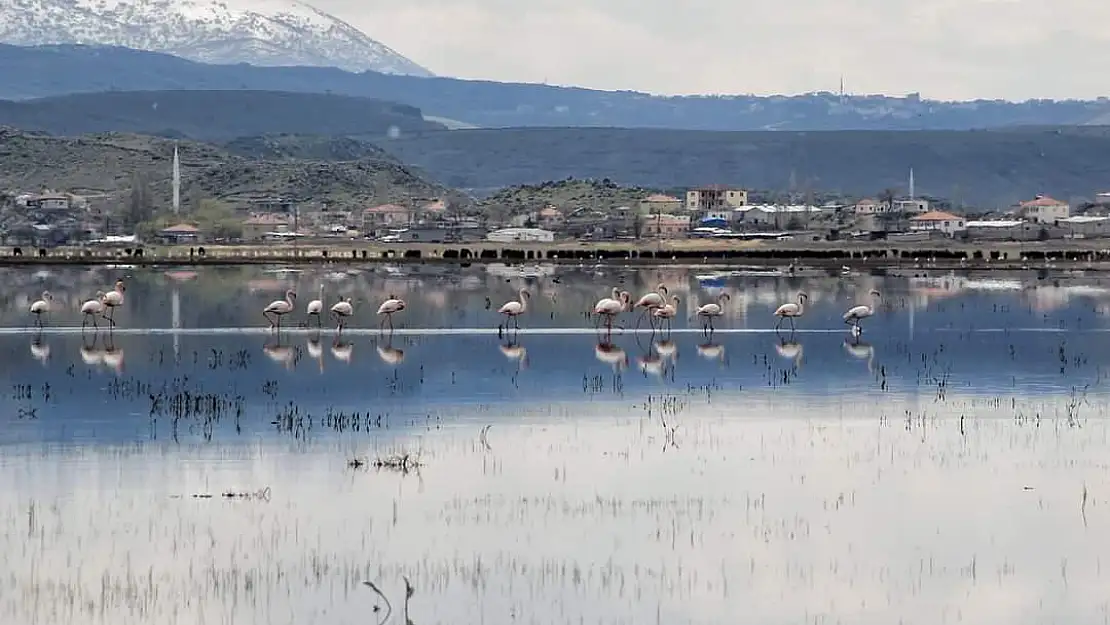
(949, 465)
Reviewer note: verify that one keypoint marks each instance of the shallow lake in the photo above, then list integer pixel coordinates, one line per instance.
(949, 464)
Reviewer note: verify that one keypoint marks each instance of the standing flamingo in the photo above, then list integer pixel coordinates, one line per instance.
(858, 313)
(709, 311)
(388, 307)
(41, 307)
(315, 308)
(91, 308)
(279, 308)
(667, 312)
(514, 309)
(112, 300)
(610, 307)
(650, 302)
(340, 311)
(791, 311)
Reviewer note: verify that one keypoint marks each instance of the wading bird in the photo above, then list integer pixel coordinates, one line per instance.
(41, 307)
(709, 311)
(112, 300)
(91, 308)
(315, 308)
(856, 314)
(388, 307)
(609, 307)
(667, 313)
(514, 309)
(791, 311)
(340, 311)
(279, 308)
(651, 302)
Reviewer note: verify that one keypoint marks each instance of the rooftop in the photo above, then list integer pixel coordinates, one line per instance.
(936, 216)
(1043, 200)
(181, 229)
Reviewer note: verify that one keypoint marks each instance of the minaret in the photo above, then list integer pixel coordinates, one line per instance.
(911, 183)
(176, 181)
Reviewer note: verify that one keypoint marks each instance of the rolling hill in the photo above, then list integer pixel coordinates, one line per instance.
(981, 168)
(214, 115)
(109, 164)
(39, 71)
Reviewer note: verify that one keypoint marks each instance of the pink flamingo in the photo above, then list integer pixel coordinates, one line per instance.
(91, 308)
(41, 307)
(610, 307)
(650, 302)
(709, 311)
(666, 312)
(279, 308)
(340, 311)
(112, 300)
(388, 307)
(514, 309)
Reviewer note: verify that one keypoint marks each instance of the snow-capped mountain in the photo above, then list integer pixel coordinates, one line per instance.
(259, 32)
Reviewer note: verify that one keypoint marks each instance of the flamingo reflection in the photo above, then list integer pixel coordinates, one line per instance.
(112, 356)
(712, 351)
(40, 351)
(611, 355)
(390, 355)
(790, 349)
(342, 350)
(862, 351)
(315, 350)
(513, 350)
(281, 354)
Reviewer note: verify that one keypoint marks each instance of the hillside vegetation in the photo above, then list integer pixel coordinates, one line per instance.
(214, 115)
(985, 168)
(112, 165)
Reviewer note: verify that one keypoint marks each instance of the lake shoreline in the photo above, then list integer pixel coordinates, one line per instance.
(875, 255)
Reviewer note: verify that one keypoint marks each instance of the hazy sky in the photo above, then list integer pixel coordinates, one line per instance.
(960, 49)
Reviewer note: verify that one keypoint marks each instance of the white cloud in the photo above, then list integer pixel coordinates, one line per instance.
(942, 48)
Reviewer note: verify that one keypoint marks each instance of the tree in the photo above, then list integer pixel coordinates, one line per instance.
(637, 225)
(217, 219)
(139, 206)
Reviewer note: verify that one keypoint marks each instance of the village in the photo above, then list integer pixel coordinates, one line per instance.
(52, 218)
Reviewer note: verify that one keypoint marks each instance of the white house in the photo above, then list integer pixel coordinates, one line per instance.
(521, 235)
(938, 221)
(1044, 210)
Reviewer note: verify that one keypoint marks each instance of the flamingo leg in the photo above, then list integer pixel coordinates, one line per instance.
(792, 326)
(266, 316)
(389, 317)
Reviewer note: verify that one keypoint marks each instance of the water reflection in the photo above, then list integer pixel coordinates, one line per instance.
(861, 350)
(562, 493)
(790, 349)
(389, 354)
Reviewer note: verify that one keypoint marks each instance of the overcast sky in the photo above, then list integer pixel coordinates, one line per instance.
(956, 49)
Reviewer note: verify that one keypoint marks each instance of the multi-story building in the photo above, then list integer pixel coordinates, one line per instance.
(715, 197)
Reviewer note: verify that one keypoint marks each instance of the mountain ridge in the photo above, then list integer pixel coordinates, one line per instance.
(274, 33)
(214, 115)
(28, 72)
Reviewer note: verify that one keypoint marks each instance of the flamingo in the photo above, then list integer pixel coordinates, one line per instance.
(650, 302)
(709, 311)
(388, 307)
(514, 309)
(41, 307)
(279, 308)
(112, 300)
(858, 313)
(791, 311)
(610, 307)
(667, 312)
(315, 308)
(340, 311)
(92, 308)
